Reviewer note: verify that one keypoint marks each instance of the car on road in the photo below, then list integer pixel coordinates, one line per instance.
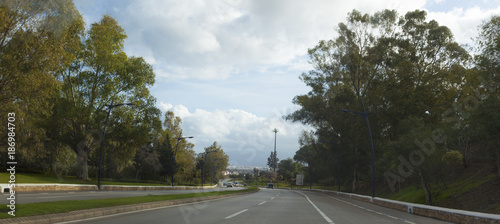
(229, 185)
(235, 183)
(270, 185)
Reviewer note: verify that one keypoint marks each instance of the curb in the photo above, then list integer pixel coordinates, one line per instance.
(98, 212)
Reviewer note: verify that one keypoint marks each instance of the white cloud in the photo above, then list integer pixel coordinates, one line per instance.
(216, 39)
(214, 55)
(165, 106)
(464, 22)
(243, 135)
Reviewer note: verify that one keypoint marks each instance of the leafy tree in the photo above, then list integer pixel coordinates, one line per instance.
(272, 161)
(395, 67)
(147, 163)
(101, 74)
(216, 161)
(165, 153)
(185, 156)
(33, 37)
(486, 118)
(289, 168)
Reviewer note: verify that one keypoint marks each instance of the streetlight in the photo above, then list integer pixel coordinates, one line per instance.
(203, 168)
(103, 134)
(175, 153)
(371, 143)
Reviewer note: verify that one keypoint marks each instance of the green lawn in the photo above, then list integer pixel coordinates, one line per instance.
(67, 206)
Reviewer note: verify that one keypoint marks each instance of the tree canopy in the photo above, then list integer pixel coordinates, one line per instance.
(412, 79)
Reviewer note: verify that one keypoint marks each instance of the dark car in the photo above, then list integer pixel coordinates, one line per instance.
(229, 185)
(270, 185)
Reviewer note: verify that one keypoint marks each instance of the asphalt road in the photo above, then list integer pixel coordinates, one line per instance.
(269, 206)
(24, 198)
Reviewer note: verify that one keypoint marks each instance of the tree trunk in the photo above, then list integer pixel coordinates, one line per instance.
(82, 171)
(354, 181)
(498, 163)
(426, 187)
(137, 174)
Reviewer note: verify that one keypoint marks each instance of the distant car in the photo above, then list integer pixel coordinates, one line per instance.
(270, 185)
(235, 184)
(224, 184)
(229, 185)
(245, 184)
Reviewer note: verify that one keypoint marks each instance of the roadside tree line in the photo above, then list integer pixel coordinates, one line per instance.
(57, 77)
(432, 104)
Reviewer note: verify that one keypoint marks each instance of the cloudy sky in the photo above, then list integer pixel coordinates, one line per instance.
(230, 68)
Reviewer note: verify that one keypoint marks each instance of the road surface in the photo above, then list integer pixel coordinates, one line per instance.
(269, 206)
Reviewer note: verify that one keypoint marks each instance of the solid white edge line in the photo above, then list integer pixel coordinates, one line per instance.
(237, 213)
(366, 209)
(317, 209)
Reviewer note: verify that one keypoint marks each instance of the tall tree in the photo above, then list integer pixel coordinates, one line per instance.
(289, 168)
(486, 119)
(33, 39)
(272, 161)
(397, 67)
(101, 74)
(216, 161)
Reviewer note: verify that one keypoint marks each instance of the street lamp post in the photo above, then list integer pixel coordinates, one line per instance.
(371, 143)
(175, 153)
(103, 134)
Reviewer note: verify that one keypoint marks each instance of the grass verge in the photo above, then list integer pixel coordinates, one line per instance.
(44, 208)
(60, 179)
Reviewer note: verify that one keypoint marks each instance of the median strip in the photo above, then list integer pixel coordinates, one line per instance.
(73, 210)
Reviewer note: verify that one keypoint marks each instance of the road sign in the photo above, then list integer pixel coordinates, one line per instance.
(300, 179)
